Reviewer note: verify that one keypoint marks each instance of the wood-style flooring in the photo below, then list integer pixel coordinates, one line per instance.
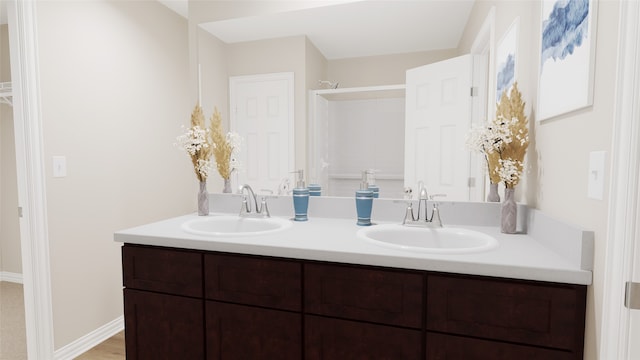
(12, 330)
(110, 349)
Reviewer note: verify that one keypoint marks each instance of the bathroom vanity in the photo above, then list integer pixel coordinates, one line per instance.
(318, 291)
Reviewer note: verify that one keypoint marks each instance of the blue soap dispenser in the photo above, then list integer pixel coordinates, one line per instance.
(364, 201)
(315, 190)
(300, 198)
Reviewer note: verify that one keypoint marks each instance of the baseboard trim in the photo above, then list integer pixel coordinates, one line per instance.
(11, 277)
(83, 344)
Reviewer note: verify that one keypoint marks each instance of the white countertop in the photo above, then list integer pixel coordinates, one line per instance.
(517, 256)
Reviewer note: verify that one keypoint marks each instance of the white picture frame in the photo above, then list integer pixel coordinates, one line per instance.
(566, 58)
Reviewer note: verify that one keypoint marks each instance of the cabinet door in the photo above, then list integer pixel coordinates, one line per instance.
(170, 271)
(447, 347)
(159, 326)
(332, 339)
(548, 315)
(244, 332)
(253, 281)
(382, 296)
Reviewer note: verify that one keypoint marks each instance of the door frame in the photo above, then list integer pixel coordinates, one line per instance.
(31, 178)
(624, 198)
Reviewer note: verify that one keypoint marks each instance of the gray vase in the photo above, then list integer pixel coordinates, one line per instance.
(493, 195)
(509, 212)
(227, 186)
(203, 199)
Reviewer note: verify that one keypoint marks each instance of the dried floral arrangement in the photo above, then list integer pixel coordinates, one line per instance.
(224, 146)
(195, 141)
(505, 140)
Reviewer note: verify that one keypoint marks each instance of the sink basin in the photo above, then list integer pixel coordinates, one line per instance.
(446, 240)
(234, 226)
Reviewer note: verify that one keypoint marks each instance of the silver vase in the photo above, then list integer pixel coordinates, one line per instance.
(203, 199)
(493, 195)
(509, 212)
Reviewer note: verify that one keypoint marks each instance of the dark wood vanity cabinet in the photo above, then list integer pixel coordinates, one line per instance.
(163, 312)
(205, 305)
(482, 318)
(362, 313)
(253, 307)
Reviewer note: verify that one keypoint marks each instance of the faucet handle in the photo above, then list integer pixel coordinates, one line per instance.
(435, 212)
(264, 210)
(246, 206)
(408, 216)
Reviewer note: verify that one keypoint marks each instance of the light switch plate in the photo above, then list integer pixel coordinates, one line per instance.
(595, 189)
(59, 166)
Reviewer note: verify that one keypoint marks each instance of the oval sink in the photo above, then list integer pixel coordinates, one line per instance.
(234, 226)
(446, 240)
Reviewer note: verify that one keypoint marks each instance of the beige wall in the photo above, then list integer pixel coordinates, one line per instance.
(274, 56)
(113, 82)
(214, 88)
(10, 252)
(557, 167)
(381, 70)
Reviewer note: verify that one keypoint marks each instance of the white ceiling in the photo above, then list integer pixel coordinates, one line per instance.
(179, 6)
(362, 28)
(352, 29)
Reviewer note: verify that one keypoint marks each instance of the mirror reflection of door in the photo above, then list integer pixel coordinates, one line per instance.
(438, 117)
(261, 112)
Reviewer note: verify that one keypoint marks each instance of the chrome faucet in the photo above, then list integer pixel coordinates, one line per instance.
(423, 219)
(246, 210)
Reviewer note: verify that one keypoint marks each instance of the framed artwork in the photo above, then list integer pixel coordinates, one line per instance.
(567, 56)
(506, 60)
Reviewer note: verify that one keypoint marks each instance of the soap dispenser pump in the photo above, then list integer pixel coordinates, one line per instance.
(300, 198)
(371, 179)
(364, 201)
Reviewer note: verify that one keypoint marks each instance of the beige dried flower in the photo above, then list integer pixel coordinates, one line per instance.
(195, 141)
(223, 146)
(510, 112)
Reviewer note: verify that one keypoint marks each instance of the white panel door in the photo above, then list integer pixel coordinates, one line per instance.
(262, 114)
(438, 116)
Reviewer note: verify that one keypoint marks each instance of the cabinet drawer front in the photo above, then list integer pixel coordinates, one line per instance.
(159, 326)
(447, 347)
(388, 297)
(544, 315)
(330, 339)
(245, 332)
(162, 270)
(253, 281)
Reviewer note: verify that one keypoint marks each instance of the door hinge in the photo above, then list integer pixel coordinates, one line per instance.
(632, 296)
(474, 91)
(19, 211)
(471, 182)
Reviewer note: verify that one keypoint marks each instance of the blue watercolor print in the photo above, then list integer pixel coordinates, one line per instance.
(564, 29)
(505, 76)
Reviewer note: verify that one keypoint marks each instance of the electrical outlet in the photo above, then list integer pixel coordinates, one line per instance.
(59, 166)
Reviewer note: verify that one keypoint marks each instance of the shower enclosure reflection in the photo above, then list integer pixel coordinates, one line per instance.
(356, 129)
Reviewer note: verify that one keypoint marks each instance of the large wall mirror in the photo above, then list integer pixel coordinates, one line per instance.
(349, 62)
